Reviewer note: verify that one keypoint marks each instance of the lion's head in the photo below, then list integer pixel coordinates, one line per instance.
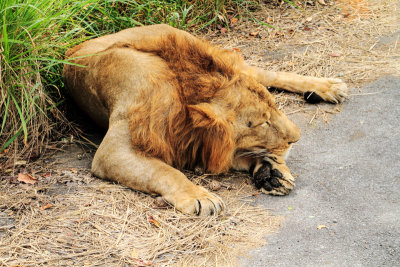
(243, 118)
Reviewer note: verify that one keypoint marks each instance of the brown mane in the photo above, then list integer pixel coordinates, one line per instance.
(185, 135)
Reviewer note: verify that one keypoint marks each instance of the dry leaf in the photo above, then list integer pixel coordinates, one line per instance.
(234, 21)
(45, 207)
(334, 54)
(269, 20)
(322, 2)
(26, 178)
(321, 226)
(309, 19)
(73, 170)
(153, 222)
(254, 33)
(223, 30)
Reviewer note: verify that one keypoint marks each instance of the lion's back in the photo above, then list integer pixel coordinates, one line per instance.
(105, 84)
(130, 35)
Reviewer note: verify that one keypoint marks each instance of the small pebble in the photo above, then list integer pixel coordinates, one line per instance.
(214, 185)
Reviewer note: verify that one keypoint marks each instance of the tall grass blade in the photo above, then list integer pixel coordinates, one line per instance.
(21, 116)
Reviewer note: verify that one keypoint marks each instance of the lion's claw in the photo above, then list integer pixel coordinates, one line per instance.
(197, 201)
(330, 90)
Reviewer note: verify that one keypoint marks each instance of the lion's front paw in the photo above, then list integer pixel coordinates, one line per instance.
(272, 181)
(330, 90)
(196, 200)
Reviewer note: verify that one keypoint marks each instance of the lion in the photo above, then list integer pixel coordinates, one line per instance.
(172, 101)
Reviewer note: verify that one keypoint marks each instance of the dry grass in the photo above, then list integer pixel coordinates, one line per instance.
(355, 40)
(92, 222)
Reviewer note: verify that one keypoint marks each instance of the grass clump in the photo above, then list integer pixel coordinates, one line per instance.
(31, 35)
(34, 36)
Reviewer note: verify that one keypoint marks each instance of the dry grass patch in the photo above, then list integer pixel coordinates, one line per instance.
(69, 218)
(357, 41)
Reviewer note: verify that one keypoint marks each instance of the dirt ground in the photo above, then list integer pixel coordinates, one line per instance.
(54, 212)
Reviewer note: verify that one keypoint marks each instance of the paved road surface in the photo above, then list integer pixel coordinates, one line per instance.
(349, 180)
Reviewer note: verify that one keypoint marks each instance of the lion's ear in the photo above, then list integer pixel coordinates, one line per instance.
(216, 136)
(203, 115)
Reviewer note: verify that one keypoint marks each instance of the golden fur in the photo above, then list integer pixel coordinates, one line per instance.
(172, 101)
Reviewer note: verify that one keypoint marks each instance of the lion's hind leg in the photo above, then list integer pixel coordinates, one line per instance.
(116, 160)
(314, 89)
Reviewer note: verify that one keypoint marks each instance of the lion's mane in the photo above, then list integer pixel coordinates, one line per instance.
(182, 132)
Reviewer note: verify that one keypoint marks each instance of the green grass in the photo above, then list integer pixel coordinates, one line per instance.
(34, 36)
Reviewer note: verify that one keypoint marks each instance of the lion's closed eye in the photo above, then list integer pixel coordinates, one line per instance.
(258, 124)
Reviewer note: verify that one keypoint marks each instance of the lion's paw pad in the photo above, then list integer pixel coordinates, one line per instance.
(271, 181)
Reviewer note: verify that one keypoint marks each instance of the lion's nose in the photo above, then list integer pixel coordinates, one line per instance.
(294, 135)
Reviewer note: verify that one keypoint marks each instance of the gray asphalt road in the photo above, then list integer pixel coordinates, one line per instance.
(348, 180)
